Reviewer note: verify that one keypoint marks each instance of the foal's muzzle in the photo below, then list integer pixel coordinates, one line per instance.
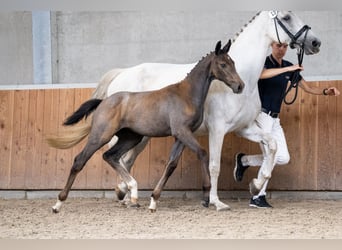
(238, 87)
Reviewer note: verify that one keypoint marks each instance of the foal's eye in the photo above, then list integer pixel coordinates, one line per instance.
(223, 65)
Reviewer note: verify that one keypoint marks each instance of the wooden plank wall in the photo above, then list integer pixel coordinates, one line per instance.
(313, 127)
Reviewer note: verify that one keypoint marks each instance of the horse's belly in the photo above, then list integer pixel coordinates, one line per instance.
(245, 117)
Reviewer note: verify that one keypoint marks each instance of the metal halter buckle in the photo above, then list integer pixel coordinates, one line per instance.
(273, 14)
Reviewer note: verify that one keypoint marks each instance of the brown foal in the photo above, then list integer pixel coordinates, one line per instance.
(176, 110)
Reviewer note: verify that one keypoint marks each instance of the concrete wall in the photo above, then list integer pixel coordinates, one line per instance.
(87, 44)
(16, 65)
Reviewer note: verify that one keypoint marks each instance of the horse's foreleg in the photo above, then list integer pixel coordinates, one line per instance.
(127, 161)
(215, 148)
(188, 139)
(176, 152)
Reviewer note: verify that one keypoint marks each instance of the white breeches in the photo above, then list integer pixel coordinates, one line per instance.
(272, 126)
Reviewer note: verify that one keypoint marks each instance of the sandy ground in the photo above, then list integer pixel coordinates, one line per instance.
(176, 218)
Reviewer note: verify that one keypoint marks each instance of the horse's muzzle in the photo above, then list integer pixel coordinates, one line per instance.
(238, 87)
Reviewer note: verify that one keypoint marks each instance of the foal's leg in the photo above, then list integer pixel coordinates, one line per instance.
(127, 140)
(176, 152)
(188, 139)
(79, 162)
(127, 161)
(185, 137)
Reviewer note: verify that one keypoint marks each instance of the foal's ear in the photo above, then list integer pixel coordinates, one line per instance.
(227, 46)
(218, 48)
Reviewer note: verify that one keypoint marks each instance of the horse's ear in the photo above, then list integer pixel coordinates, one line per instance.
(218, 48)
(227, 46)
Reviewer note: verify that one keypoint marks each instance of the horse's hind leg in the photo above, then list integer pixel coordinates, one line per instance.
(79, 162)
(176, 152)
(127, 161)
(127, 140)
(101, 132)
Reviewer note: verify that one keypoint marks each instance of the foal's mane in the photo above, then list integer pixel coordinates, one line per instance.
(201, 60)
(243, 27)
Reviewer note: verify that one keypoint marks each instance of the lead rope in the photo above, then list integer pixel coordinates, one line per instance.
(295, 78)
(294, 81)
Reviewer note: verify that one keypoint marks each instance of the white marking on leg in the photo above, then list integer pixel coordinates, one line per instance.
(133, 187)
(153, 205)
(56, 208)
(123, 187)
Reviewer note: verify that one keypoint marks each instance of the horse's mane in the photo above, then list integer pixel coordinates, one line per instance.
(235, 37)
(242, 29)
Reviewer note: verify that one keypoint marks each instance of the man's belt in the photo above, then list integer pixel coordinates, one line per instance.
(270, 113)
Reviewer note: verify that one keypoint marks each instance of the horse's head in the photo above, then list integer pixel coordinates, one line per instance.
(223, 68)
(287, 27)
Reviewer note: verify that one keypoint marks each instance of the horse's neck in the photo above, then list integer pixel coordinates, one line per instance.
(198, 81)
(250, 50)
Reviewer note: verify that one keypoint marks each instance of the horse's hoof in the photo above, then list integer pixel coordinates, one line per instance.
(55, 210)
(136, 205)
(153, 205)
(57, 207)
(253, 188)
(205, 203)
(219, 209)
(222, 207)
(120, 194)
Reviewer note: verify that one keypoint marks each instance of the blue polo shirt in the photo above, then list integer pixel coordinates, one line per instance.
(272, 90)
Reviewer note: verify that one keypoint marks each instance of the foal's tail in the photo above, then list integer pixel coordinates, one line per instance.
(74, 135)
(86, 109)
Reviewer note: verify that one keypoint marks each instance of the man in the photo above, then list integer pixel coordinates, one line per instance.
(272, 86)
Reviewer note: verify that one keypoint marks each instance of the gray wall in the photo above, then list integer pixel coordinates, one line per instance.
(16, 65)
(87, 44)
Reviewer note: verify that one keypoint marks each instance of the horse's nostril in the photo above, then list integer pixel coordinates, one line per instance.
(316, 43)
(240, 88)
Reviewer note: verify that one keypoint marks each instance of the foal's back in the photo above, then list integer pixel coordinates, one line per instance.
(150, 113)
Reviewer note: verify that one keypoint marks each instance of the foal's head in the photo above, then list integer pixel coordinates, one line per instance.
(223, 68)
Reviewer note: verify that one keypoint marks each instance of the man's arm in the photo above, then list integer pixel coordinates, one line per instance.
(268, 73)
(317, 90)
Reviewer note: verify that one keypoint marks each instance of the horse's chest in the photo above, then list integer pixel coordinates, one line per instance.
(194, 117)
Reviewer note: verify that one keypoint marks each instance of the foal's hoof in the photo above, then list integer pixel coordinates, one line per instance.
(152, 210)
(120, 194)
(205, 203)
(55, 210)
(57, 207)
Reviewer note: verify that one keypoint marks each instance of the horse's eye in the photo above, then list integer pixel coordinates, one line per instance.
(287, 18)
(223, 65)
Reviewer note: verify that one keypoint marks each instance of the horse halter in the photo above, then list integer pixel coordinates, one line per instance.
(300, 51)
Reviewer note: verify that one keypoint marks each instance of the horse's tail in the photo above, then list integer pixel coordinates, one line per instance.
(75, 134)
(102, 87)
(83, 111)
